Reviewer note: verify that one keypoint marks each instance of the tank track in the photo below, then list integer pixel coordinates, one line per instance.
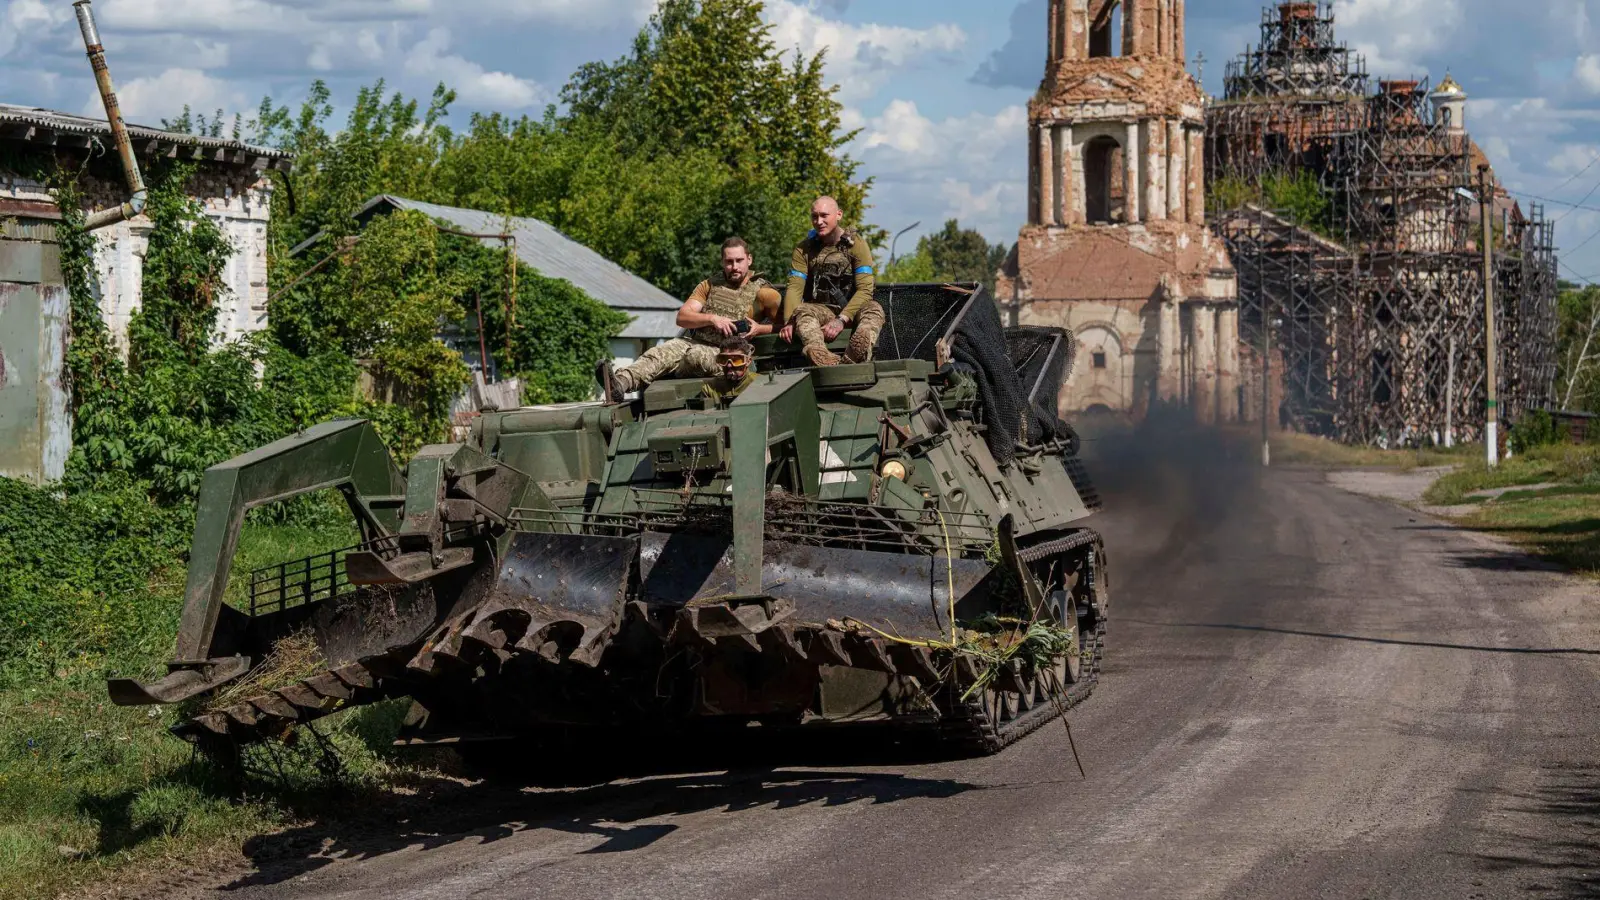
(969, 727)
(464, 644)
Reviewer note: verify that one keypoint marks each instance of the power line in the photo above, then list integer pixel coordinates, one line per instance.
(1592, 160)
(1553, 200)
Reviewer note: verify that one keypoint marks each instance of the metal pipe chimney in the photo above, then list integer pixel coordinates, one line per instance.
(138, 195)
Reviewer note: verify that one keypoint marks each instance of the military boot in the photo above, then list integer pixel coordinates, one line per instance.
(611, 383)
(816, 346)
(865, 339)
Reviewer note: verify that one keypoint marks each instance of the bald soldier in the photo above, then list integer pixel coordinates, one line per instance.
(831, 281)
(729, 308)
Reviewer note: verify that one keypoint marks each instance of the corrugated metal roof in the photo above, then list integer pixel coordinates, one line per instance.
(651, 323)
(53, 122)
(554, 255)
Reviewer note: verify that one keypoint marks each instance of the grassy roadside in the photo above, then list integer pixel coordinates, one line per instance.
(91, 792)
(1293, 449)
(1559, 523)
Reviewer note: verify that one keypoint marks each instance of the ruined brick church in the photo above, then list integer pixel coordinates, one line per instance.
(1116, 246)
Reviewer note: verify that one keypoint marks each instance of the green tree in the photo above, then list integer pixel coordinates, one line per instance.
(1578, 384)
(952, 254)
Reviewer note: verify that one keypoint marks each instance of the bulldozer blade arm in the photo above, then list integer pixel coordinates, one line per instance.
(904, 594)
(568, 588)
(364, 567)
(178, 685)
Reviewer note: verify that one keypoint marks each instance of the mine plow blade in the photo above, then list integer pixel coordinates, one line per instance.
(178, 685)
(901, 594)
(561, 595)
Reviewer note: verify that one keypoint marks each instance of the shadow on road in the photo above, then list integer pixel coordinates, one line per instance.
(1568, 867)
(444, 811)
(1437, 645)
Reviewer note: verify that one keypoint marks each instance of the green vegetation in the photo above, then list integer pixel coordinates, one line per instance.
(1296, 196)
(1560, 523)
(1578, 385)
(1289, 448)
(952, 254)
(1562, 463)
(701, 131)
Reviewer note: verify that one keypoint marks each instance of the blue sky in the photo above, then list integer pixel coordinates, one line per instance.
(937, 87)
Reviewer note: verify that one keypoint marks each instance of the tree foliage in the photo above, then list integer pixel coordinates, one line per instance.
(953, 254)
(704, 130)
(1578, 383)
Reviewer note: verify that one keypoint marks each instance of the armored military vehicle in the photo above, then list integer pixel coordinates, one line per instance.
(851, 545)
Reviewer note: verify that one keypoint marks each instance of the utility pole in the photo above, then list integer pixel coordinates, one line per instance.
(1492, 420)
(1266, 383)
(1450, 399)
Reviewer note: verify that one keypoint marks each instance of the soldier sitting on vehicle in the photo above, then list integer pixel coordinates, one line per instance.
(737, 362)
(730, 307)
(831, 282)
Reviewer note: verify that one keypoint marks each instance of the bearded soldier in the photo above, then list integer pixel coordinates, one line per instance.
(727, 308)
(831, 281)
(737, 362)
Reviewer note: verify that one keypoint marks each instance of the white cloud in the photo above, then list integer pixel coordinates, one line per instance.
(148, 100)
(573, 13)
(1397, 36)
(861, 58)
(969, 167)
(475, 85)
(25, 16)
(1586, 72)
(251, 17)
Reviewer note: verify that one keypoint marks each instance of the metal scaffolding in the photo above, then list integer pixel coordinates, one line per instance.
(1376, 288)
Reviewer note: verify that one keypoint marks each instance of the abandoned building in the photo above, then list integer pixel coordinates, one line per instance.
(231, 182)
(1353, 218)
(1116, 246)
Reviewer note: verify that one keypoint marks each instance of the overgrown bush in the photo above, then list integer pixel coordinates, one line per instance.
(1536, 428)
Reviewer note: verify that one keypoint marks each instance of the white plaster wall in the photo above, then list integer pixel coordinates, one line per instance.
(120, 251)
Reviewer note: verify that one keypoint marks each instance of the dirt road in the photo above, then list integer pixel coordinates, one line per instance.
(1310, 693)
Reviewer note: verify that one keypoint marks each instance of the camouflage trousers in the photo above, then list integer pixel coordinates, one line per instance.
(811, 317)
(677, 358)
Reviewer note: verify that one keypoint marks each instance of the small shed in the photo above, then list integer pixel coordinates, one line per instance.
(652, 312)
(230, 181)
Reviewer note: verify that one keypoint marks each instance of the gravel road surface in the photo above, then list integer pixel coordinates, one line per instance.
(1309, 693)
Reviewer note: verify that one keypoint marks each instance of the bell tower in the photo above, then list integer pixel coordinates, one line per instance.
(1118, 126)
(1116, 247)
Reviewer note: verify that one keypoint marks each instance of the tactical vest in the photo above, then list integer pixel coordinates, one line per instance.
(729, 302)
(832, 281)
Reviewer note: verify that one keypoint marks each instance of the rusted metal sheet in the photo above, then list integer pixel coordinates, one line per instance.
(35, 430)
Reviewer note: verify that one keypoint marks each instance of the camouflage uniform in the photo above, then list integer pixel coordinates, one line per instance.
(695, 354)
(826, 282)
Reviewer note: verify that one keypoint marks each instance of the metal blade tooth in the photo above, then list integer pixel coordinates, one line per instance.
(591, 647)
(356, 676)
(869, 653)
(782, 640)
(215, 723)
(830, 649)
(274, 706)
(967, 669)
(689, 628)
(915, 661)
(328, 685)
(304, 699)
